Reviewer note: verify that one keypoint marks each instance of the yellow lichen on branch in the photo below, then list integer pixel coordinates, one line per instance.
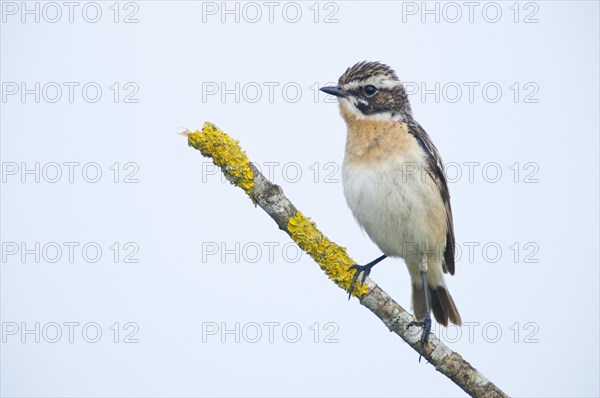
(225, 153)
(332, 258)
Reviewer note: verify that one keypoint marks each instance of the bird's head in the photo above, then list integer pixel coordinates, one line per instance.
(371, 91)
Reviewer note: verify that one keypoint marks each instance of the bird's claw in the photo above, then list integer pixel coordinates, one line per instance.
(365, 270)
(426, 325)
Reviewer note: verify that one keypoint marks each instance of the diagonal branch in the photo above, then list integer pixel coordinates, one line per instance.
(227, 154)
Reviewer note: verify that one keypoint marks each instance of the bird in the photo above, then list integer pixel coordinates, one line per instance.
(396, 188)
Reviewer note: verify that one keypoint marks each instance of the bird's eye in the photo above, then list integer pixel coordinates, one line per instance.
(370, 90)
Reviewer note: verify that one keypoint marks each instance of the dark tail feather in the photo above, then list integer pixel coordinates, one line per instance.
(443, 306)
(418, 302)
(441, 302)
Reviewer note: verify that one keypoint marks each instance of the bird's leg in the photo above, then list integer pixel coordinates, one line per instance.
(426, 323)
(365, 270)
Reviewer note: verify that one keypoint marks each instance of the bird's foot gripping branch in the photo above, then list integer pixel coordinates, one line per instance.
(237, 168)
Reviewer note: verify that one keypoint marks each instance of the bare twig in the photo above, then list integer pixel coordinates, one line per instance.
(227, 154)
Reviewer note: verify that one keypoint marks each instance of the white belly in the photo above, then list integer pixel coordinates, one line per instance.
(400, 209)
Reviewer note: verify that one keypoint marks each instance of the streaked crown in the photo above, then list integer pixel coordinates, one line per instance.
(364, 70)
(372, 90)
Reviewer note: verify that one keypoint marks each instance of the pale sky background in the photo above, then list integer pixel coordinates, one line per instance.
(172, 265)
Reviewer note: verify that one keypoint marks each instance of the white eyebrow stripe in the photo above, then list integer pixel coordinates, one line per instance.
(380, 81)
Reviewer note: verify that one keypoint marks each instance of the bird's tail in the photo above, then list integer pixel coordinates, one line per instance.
(441, 303)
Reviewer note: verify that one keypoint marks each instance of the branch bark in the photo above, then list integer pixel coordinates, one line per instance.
(227, 154)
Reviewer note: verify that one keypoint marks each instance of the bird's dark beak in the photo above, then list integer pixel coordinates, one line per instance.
(334, 90)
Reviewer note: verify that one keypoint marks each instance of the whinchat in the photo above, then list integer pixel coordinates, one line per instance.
(395, 186)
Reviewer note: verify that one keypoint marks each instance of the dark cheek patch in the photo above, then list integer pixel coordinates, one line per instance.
(380, 103)
(366, 109)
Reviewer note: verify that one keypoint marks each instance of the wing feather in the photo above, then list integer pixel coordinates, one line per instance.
(436, 172)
